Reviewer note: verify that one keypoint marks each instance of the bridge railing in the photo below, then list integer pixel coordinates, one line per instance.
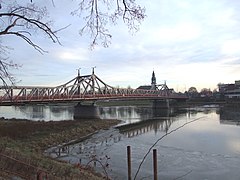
(62, 97)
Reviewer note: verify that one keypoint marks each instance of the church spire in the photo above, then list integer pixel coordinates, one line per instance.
(153, 81)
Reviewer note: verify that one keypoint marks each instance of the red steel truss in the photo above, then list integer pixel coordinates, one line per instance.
(80, 88)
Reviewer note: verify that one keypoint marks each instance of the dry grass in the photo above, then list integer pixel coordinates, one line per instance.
(22, 142)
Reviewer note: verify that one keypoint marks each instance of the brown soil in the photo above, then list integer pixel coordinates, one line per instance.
(22, 143)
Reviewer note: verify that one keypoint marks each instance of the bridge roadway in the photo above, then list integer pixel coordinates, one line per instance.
(81, 88)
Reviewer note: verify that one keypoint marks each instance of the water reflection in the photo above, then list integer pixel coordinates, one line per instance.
(158, 120)
(119, 112)
(33, 112)
(131, 130)
(44, 112)
(130, 114)
(202, 148)
(229, 115)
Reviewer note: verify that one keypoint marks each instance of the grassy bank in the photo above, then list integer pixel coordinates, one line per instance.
(22, 143)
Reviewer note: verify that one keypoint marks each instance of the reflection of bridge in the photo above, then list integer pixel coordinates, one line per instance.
(80, 88)
(160, 120)
(142, 127)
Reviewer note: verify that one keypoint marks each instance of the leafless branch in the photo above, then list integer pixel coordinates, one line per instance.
(21, 22)
(180, 177)
(5, 64)
(99, 13)
(102, 165)
(29, 21)
(149, 150)
(133, 14)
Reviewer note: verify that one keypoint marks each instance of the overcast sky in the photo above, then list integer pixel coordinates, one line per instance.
(186, 42)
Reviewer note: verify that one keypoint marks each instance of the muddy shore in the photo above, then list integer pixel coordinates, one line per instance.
(22, 143)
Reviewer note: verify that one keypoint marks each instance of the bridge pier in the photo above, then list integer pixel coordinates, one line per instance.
(90, 111)
(163, 108)
(161, 103)
(164, 103)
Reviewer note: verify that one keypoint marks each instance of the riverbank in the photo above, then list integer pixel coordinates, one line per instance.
(22, 143)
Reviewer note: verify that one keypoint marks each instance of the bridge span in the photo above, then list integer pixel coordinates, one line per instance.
(81, 88)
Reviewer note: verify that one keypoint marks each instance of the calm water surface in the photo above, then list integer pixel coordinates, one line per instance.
(208, 148)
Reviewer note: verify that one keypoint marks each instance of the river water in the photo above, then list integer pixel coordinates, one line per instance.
(205, 145)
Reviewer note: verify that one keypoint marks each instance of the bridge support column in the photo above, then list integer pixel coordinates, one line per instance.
(86, 112)
(162, 108)
(163, 103)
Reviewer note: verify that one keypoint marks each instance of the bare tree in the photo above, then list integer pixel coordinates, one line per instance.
(23, 19)
(98, 13)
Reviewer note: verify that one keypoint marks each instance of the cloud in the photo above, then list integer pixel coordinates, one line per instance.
(72, 55)
(223, 17)
(231, 47)
(184, 31)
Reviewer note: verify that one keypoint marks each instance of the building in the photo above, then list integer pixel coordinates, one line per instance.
(153, 85)
(230, 90)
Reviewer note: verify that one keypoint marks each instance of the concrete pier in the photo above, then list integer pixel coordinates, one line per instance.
(86, 112)
(163, 103)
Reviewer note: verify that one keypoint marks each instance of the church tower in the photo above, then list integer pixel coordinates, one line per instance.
(153, 84)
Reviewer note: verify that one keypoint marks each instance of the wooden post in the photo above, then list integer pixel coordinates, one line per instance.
(59, 151)
(155, 164)
(42, 176)
(129, 162)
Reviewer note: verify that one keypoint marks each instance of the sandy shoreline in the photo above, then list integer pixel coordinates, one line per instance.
(22, 143)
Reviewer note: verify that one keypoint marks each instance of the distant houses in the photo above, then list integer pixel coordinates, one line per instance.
(230, 91)
(225, 91)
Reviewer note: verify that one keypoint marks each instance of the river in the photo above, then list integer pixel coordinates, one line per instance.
(206, 144)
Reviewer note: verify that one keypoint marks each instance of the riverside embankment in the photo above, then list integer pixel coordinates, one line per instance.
(22, 143)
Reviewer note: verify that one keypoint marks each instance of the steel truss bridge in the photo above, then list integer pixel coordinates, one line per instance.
(81, 88)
